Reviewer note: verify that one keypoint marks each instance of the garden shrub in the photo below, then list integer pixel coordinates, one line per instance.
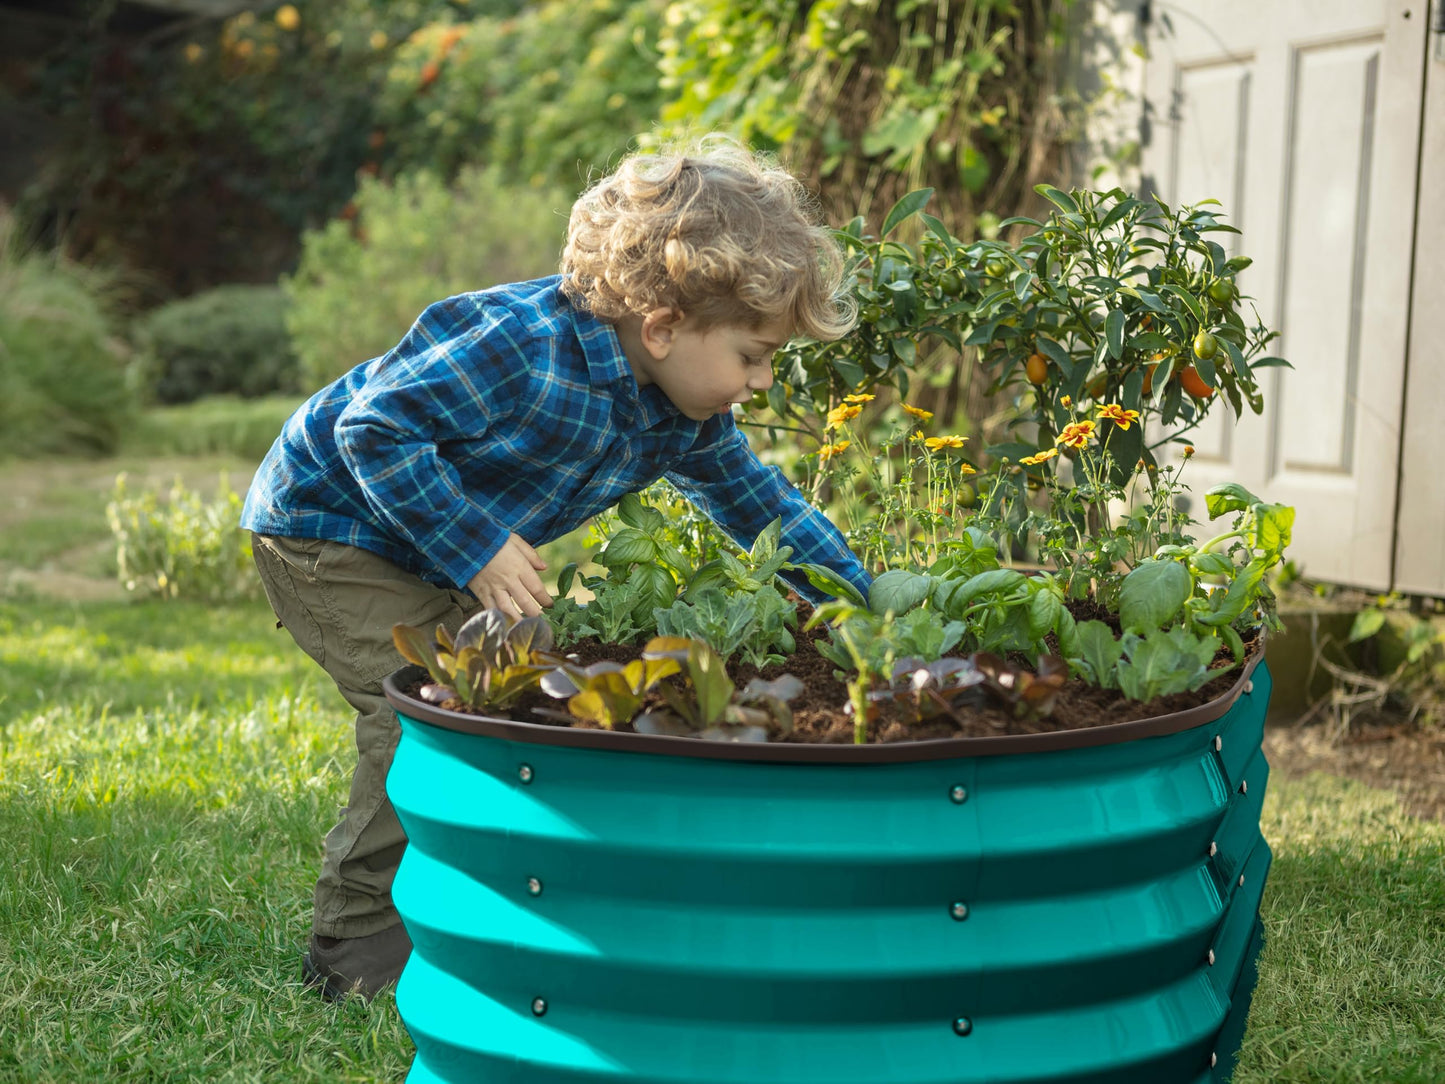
(182, 547)
(360, 285)
(231, 340)
(215, 425)
(63, 389)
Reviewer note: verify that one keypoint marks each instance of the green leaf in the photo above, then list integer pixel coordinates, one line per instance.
(908, 205)
(1153, 594)
(1228, 497)
(825, 579)
(1162, 663)
(1366, 624)
(1099, 651)
(997, 581)
(710, 682)
(628, 546)
(898, 590)
(1060, 199)
(766, 544)
(1114, 332)
(1044, 610)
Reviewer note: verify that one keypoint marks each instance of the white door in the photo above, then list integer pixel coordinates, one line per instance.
(1303, 118)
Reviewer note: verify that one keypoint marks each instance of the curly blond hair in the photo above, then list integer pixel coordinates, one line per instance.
(714, 230)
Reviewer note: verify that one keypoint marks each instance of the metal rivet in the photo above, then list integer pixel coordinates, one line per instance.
(1249, 686)
(1244, 787)
(959, 793)
(1218, 743)
(539, 1006)
(959, 910)
(1213, 1059)
(524, 773)
(534, 886)
(1241, 880)
(1213, 848)
(962, 1026)
(1211, 957)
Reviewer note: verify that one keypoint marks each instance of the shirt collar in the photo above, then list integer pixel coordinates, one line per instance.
(608, 367)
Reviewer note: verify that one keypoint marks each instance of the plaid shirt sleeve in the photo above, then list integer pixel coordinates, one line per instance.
(440, 384)
(725, 479)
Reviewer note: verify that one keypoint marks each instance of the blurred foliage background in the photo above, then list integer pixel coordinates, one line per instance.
(264, 199)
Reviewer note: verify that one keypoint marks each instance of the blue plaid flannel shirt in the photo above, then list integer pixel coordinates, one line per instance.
(510, 410)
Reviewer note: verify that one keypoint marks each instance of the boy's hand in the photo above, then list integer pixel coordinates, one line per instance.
(510, 581)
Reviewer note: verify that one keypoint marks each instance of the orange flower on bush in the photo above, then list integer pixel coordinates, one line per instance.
(859, 397)
(1076, 435)
(918, 412)
(1118, 415)
(828, 451)
(933, 444)
(1042, 457)
(840, 414)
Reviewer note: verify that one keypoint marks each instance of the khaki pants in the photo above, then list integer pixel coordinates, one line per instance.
(339, 603)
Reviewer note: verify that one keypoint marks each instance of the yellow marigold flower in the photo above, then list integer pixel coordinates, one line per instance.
(1042, 457)
(964, 468)
(1066, 402)
(840, 414)
(859, 397)
(1076, 435)
(828, 451)
(917, 436)
(935, 443)
(1115, 413)
(918, 412)
(287, 17)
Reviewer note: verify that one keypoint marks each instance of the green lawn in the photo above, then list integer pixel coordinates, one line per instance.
(167, 771)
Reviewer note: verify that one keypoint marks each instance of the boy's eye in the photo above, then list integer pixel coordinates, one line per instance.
(754, 360)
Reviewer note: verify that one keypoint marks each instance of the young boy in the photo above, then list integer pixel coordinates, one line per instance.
(414, 488)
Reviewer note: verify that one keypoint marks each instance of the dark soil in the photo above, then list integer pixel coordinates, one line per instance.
(819, 714)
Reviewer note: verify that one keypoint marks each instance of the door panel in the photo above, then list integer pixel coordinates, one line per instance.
(1303, 120)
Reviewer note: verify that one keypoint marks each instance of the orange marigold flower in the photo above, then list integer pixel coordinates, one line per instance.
(1042, 457)
(1115, 413)
(828, 451)
(840, 414)
(1076, 435)
(964, 468)
(935, 443)
(859, 397)
(1188, 450)
(1066, 402)
(918, 412)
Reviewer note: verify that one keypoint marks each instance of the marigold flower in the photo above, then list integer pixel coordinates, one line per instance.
(840, 414)
(1042, 457)
(1188, 450)
(287, 17)
(917, 437)
(1115, 413)
(964, 468)
(859, 397)
(1066, 402)
(828, 451)
(1076, 434)
(918, 412)
(935, 443)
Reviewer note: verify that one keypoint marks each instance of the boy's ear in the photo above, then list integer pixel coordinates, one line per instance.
(659, 329)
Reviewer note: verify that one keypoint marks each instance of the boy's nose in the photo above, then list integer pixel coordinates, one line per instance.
(763, 379)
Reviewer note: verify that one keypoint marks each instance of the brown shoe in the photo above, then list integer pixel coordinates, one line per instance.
(364, 966)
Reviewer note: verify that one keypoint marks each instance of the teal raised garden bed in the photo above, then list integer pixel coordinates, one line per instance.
(589, 906)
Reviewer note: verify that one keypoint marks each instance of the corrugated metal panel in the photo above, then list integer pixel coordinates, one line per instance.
(674, 920)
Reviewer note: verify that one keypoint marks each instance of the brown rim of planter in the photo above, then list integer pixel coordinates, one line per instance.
(812, 753)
